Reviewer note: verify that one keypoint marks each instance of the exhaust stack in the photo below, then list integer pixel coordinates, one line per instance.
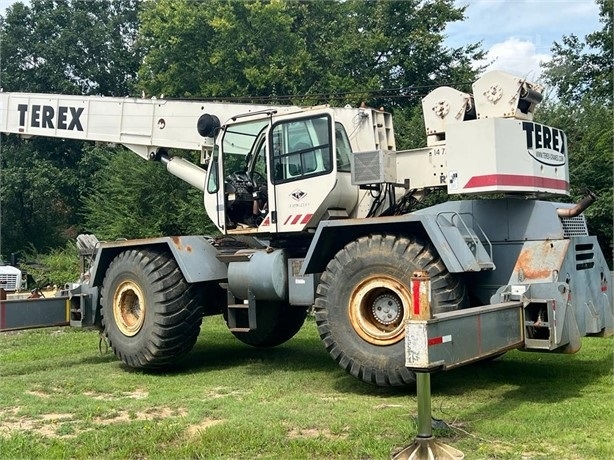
(579, 207)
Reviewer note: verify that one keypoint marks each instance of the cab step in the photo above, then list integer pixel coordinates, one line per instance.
(241, 317)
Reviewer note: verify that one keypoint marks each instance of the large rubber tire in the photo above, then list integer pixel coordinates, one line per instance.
(151, 316)
(364, 299)
(277, 322)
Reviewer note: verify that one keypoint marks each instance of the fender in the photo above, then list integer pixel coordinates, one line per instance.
(332, 235)
(196, 257)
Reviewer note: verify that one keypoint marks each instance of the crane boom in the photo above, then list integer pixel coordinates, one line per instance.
(143, 125)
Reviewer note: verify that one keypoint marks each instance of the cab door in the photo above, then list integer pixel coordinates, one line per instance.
(233, 174)
(302, 170)
(214, 192)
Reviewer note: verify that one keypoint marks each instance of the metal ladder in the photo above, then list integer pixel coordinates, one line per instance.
(475, 248)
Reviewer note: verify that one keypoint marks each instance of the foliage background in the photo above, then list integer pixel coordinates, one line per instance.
(384, 53)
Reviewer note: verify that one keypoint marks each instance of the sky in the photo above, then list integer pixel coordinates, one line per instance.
(517, 34)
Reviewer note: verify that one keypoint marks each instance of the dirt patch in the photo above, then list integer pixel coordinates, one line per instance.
(47, 425)
(55, 425)
(194, 430)
(45, 393)
(9, 411)
(549, 451)
(123, 416)
(38, 394)
(136, 394)
(387, 406)
(224, 392)
(331, 398)
(311, 433)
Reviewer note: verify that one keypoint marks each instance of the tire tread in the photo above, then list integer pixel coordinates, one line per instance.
(448, 294)
(177, 312)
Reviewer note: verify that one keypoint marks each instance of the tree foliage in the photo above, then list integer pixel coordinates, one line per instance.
(36, 192)
(137, 199)
(70, 47)
(64, 46)
(306, 52)
(59, 266)
(581, 72)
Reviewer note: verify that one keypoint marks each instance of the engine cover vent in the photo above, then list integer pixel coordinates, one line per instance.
(574, 226)
(373, 167)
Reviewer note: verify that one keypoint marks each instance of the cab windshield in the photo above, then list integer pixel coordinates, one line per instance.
(241, 144)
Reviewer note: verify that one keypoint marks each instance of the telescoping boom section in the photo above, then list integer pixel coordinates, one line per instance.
(316, 211)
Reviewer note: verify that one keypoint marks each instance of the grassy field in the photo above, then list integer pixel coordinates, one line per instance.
(60, 398)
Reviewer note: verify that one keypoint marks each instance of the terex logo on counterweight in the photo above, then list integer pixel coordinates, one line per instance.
(545, 144)
(45, 116)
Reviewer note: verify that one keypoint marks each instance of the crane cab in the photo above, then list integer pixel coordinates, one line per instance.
(274, 173)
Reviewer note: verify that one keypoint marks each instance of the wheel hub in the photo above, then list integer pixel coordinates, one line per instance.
(129, 308)
(379, 306)
(386, 309)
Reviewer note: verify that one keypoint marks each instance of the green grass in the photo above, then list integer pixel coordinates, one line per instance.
(59, 398)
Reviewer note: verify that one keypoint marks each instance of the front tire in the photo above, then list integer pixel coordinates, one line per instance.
(150, 315)
(364, 300)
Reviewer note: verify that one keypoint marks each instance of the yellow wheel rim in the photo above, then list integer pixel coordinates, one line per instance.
(129, 308)
(379, 307)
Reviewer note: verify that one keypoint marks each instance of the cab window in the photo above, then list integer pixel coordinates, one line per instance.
(301, 148)
(343, 148)
(213, 182)
(257, 161)
(238, 143)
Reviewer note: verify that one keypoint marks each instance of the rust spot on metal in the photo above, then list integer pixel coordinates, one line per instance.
(537, 261)
(177, 242)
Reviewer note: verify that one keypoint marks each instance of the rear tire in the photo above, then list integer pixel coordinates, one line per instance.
(151, 316)
(364, 300)
(277, 322)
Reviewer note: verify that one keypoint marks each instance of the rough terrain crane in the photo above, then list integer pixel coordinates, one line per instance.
(320, 209)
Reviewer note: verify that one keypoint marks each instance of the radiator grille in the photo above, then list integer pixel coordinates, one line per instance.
(367, 168)
(574, 226)
(373, 167)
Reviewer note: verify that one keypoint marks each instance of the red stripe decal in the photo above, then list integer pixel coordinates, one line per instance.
(296, 219)
(2, 316)
(516, 180)
(435, 341)
(415, 291)
(288, 219)
(306, 219)
(265, 222)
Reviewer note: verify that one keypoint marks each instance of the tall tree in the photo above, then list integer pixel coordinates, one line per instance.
(581, 73)
(62, 46)
(303, 51)
(583, 70)
(70, 46)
